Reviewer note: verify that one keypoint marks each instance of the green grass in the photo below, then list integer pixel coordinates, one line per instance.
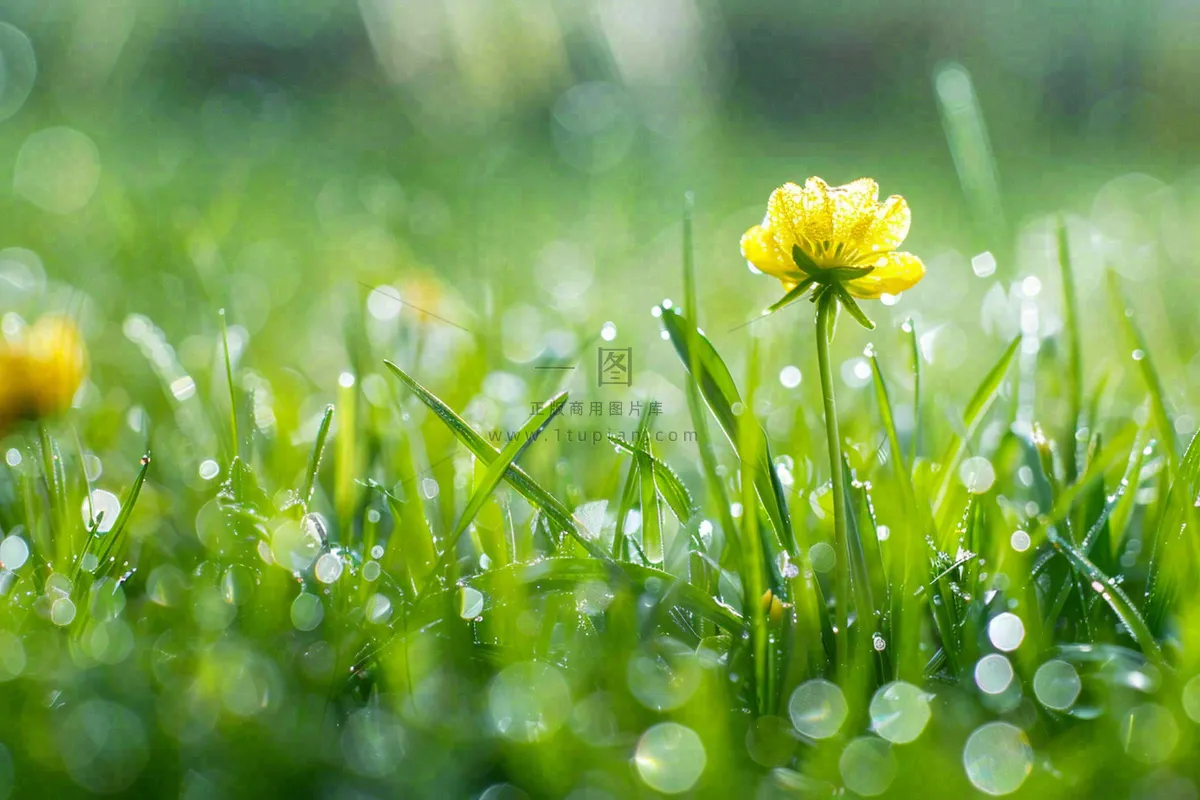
(391, 602)
(296, 540)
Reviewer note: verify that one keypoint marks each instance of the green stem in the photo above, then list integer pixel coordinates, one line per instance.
(825, 306)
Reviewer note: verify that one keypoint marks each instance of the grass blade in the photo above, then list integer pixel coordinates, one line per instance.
(496, 470)
(1074, 354)
(1170, 571)
(678, 498)
(980, 402)
(314, 460)
(652, 535)
(106, 544)
(526, 486)
(1113, 595)
(721, 395)
(1136, 342)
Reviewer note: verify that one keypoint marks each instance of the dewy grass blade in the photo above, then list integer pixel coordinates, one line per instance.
(1169, 568)
(755, 583)
(678, 498)
(1136, 342)
(910, 328)
(525, 485)
(715, 487)
(629, 493)
(106, 544)
(314, 460)
(721, 395)
(1113, 595)
(560, 574)
(1114, 451)
(651, 510)
(980, 402)
(1074, 377)
(235, 445)
(496, 470)
(1130, 483)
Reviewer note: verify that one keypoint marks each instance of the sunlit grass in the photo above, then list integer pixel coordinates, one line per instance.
(396, 598)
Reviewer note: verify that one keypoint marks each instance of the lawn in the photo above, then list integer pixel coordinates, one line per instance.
(387, 412)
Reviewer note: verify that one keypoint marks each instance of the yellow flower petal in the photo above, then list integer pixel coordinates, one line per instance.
(760, 248)
(887, 229)
(854, 207)
(12, 378)
(57, 362)
(894, 273)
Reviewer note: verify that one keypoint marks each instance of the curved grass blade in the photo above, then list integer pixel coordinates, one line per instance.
(721, 395)
(565, 574)
(755, 581)
(1113, 595)
(1132, 480)
(678, 498)
(314, 460)
(1136, 342)
(910, 328)
(717, 495)
(980, 402)
(108, 542)
(652, 533)
(526, 486)
(1115, 450)
(526, 436)
(1168, 568)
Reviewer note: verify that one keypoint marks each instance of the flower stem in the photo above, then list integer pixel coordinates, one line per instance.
(826, 305)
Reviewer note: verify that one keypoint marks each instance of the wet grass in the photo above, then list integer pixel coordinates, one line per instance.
(375, 594)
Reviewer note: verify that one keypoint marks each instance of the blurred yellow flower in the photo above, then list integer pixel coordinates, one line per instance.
(41, 371)
(815, 228)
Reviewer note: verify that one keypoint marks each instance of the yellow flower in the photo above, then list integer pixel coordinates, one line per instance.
(41, 371)
(835, 228)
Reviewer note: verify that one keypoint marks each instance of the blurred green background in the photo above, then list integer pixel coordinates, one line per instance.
(514, 172)
(171, 158)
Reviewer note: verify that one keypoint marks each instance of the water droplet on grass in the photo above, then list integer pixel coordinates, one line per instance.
(1006, 631)
(378, 608)
(104, 506)
(822, 557)
(790, 377)
(307, 611)
(328, 568)
(983, 264)
(817, 708)
(665, 680)
(1056, 685)
(1191, 699)
(998, 758)
(62, 612)
(14, 552)
(899, 712)
(977, 475)
(993, 673)
(1149, 733)
(868, 766)
(528, 701)
(670, 758)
